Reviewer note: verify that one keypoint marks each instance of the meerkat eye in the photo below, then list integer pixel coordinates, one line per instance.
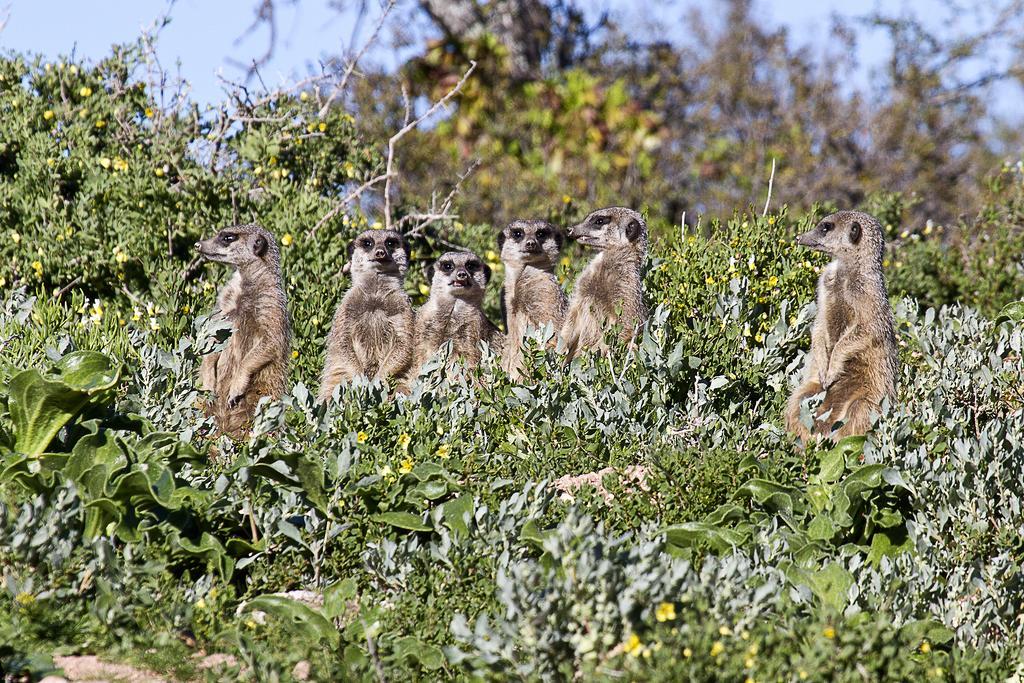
(517, 234)
(472, 266)
(366, 243)
(391, 243)
(446, 266)
(228, 237)
(602, 220)
(825, 227)
(542, 235)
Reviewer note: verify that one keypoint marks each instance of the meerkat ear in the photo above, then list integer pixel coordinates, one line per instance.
(501, 240)
(259, 245)
(633, 230)
(487, 273)
(559, 237)
(405, 248)
(855, 233)
(351, 248)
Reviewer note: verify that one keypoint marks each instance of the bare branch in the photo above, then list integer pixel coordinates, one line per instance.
(340, 88)
(389, 170)
(771, 181)
(345, 202)
(437, 213)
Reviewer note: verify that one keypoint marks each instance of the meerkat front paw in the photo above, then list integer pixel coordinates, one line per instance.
(236, 393)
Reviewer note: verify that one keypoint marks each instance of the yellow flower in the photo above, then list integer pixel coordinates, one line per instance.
(322, 127)
(201, 603)
(424, 289)
(444, 450)
(96, 313)
(829, 632)
(724, 631)
(250, 623)
(303, 96)
(566, 199)
(48, 114)
(295, 354)
(104, 162)
(666, 611)
(771, 220)
(361, 437)
(406, 466)
(158, 172)
(632, 646)
(748, 662)
(490, 255)
(154, 325)
(687, 652)
(85, 91)
(15, 237)
(717, 648)
(749, 680)
(286, 240)
(926, 647)
(803, 675)
(38, 267)
(120, 164)
(773, 281)
(100, 123)
(404, 440)
(565, 261)
(25, 599)
(257, 170)
(752, 650)
(148, 112)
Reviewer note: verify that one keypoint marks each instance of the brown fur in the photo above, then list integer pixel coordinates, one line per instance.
(853, 354)
(610, 289)
(373, 325)
(532, 296)
(254, 363)
(454, 312)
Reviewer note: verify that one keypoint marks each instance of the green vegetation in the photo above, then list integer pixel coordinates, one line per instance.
(428, 525)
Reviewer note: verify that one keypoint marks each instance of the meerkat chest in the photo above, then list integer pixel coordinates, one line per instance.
(601, 286)
(836, 301)
(537, 298)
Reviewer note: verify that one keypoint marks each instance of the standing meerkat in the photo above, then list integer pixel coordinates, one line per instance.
(254, 363)
(532, 296)
(853, 346)
(454, 310)
(373, 325)
(610, 288)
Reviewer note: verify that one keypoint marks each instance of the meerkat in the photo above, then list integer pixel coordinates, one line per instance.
(454, 310)
(254, 363)
(532, 296)
(853, 355)
(373, 325)
(610, 288)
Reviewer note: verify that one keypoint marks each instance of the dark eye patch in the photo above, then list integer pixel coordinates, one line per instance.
(472, 266)
(391, 243)
(602, 220)
(446, 266)
(825, 227)
(517, 234)
(227, 237)
(366, 243)
(542, 235)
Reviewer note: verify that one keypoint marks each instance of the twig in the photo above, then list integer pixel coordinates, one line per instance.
(389, 170)
(437, 213)
(340, 88)
(682, 228)
(771, 180)
(371, 647)
(170, 243)
(345, 202)
(64, 290)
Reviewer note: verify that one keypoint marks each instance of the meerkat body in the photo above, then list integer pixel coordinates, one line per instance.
(853, 356)
(254, 363)
(372, 331)
(610, 288)
(454, 312)
(532, 296)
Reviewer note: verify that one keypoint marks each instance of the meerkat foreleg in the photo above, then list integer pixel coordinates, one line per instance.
(851, 342)
(254, 361)
(208, 372)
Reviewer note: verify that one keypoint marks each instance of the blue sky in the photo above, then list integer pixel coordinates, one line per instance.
(203, 33)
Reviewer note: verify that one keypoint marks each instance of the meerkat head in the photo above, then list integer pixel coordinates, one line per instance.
(530, 243)
(459, 274)
(847, 235)
(615, 226)
(377, 252)
(241, 246)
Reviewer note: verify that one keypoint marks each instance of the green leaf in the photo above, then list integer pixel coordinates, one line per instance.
(429, 657)
(1011, 312)
(308, 622)
(455, 512)
(337, 596)
(772, 495)
(403, 520)
(719, 539)
(88, 371)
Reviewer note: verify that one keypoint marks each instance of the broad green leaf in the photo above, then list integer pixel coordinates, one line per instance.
(455, 512)
(88, 371)
(310, 623)
(430, 657)
(718, 538)
(337, 596)
(403, 520)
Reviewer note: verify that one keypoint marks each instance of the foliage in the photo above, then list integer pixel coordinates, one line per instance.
(424, 531)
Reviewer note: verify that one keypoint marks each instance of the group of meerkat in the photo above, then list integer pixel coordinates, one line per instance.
(377, 334)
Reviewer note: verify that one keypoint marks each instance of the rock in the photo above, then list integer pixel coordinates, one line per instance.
(634, 474)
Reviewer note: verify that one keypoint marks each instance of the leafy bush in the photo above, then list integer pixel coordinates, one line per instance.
(425, 529)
